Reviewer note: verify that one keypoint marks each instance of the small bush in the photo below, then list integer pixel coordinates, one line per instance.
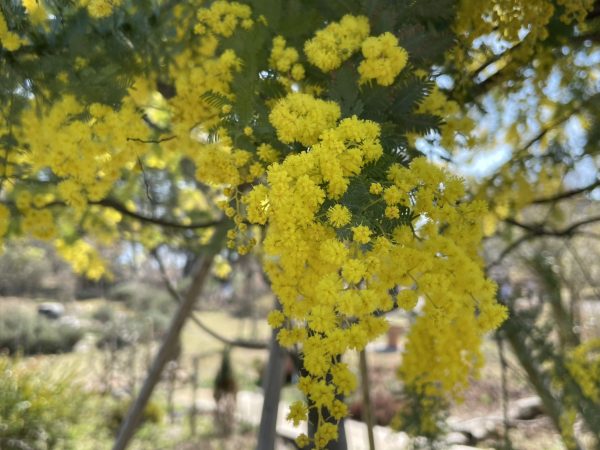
(104, 314)
(32, 269)
(36, 411)
(117, 334)
(152, 306)
(22, 330)
(153, 414)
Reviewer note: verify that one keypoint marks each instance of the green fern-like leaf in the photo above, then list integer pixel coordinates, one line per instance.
(215, 99)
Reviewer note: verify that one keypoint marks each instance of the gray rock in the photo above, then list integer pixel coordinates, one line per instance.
(51, 310)
(456, 438)
(476, 429)
(526, 408)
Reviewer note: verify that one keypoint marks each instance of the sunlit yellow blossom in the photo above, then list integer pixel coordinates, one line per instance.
(102, 8)
(392, 212)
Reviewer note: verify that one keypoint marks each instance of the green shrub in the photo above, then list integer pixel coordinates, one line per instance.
(36, 410)
(22, 330)
(104, 313)
(152, 307)
(153, 414)
(32, 269)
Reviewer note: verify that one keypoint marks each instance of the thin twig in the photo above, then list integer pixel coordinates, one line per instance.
(117, 206)
(151, 141)
(145, 178)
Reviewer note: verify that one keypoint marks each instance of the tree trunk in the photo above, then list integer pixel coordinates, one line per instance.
(536, 375)
(367, 406)
(272, 384)
(165, 353)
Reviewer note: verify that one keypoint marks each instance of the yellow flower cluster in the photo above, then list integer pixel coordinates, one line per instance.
(384, 59)
(584, 365)
(223, 17)
(9, 40)
(339, 215)
(285, 59)
(100, 9)
(337, 42)
(36, 11)
(301, 118)
(83, 258)
(330, 288)
(88, 155)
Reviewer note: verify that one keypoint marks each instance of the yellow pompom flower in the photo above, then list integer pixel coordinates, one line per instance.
(392, 212)
(361, 234)
(353, 271)
(275, 319)
(302, 441)
(338, 216)
(384, 59)
(100, 9)
(375, 188)
(298, 413)
(337, 42)
(223, 17)
(282, 58)
(302, 118)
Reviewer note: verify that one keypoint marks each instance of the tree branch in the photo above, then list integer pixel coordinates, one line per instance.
(567, 194)
(117, 206)
(535, 231)
(508, 250)
(242, 343)
(167, 348)
(540, 230)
